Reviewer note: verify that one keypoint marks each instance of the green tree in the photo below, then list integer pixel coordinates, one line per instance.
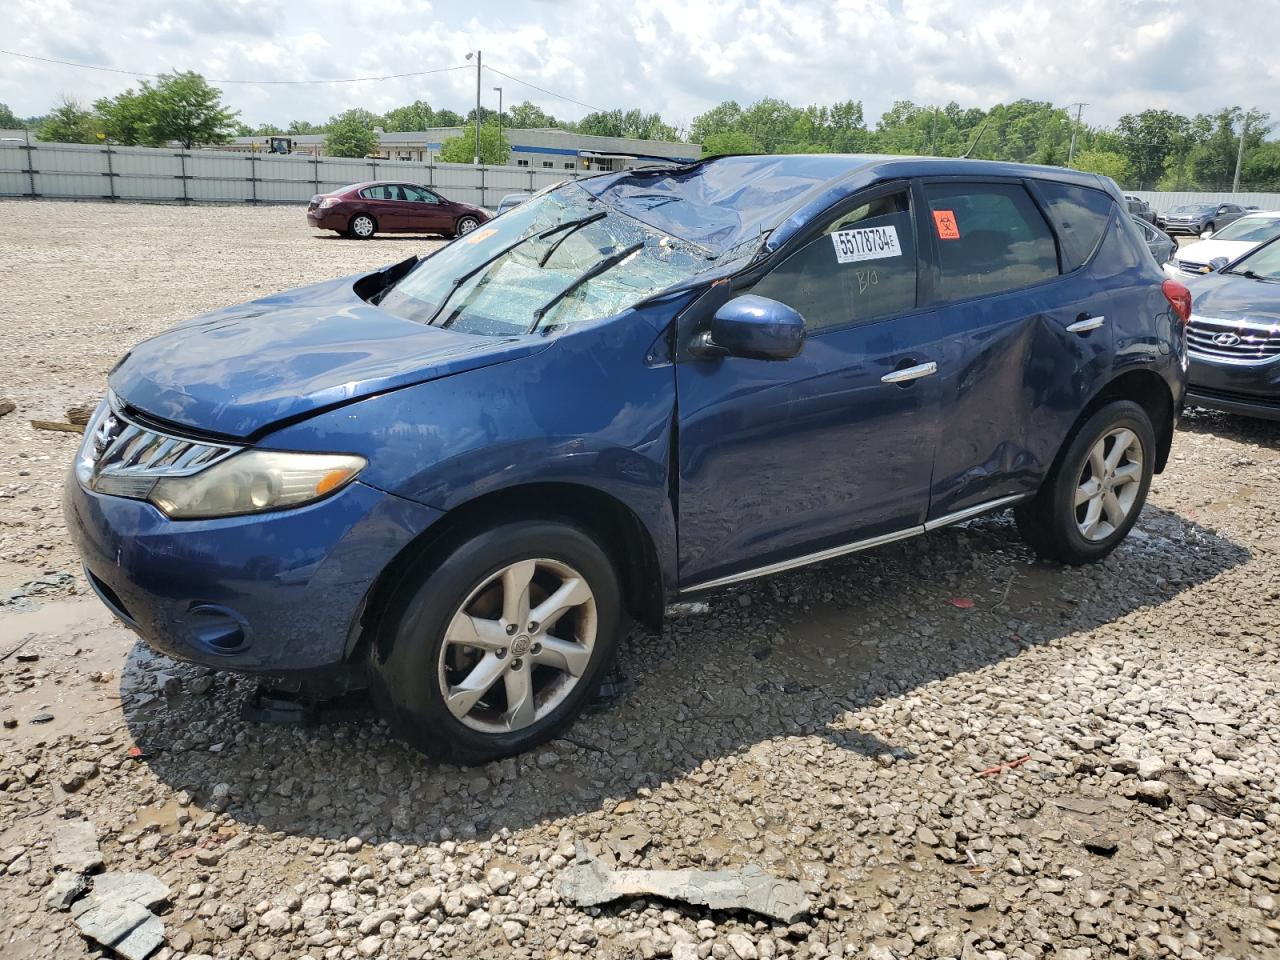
(414, 116)
(719, 119)
(265, 130)
(183, 107)
(304, 128)
(447, 118)
(8, 119)
(1148, 139)
(350, 134)
(626, 123)
(494, 148)
(126, 117)
(1113, 165)
(730, 141)
(527, 115)
(68, 122)
(1262, 167)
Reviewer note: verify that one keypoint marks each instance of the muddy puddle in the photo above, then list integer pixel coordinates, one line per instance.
(63, 669)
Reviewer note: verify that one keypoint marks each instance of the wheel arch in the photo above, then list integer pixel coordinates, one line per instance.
(1149, 390)
(614, 525)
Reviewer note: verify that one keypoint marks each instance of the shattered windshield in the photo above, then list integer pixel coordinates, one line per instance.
(556, 260)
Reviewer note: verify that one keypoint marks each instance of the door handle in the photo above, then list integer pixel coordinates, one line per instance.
(907, 374)
(1086, 323)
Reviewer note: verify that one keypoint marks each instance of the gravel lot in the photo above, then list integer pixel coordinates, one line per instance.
(843, 726)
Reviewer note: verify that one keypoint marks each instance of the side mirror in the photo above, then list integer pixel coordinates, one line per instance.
(1217, 263)
(752, 327)
(1206, 234)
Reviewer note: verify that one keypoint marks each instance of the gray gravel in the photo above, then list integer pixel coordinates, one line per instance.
(1081, 764)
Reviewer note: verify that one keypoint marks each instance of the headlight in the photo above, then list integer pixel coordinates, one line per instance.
(254, 481)
(328, 202)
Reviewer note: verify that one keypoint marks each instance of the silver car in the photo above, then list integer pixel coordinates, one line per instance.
(1161, 245)
(1197, 218)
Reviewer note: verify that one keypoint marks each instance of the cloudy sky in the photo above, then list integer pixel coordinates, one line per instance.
(676, 56)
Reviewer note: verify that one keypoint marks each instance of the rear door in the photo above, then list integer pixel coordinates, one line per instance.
(1025, 327)
(383, 201)
(782, 460)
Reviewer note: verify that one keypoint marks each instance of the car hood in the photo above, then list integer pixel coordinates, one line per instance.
(1225, 296)
(1206, 250)
(236, 372)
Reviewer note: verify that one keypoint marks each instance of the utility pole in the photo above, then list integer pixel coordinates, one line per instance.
(476, 159)
(499, 89)
(1071, 150)
(1244, 131)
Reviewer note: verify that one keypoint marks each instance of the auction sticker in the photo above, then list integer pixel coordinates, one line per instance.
(866, 243)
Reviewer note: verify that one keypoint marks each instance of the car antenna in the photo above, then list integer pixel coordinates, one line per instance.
(965, 155)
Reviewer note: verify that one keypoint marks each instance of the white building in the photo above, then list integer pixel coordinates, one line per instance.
(545, 148)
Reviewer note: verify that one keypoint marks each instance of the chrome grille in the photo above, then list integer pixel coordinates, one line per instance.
(122, 457)
(1233, 341)
(1190, 266)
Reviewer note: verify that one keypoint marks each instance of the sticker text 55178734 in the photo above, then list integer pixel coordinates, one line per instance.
(866, 243)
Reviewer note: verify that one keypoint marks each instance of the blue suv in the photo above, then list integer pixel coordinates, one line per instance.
(459, 479)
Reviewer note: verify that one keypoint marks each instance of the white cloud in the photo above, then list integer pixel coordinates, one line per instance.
(679, 57)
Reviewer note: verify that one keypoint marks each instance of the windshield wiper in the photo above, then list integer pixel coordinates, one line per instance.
(459, 281)
(569, 227)
(607, 263)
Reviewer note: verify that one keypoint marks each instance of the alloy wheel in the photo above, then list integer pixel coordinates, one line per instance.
(517, 646)
(466, 225)
(1109, 483)
(362, 227)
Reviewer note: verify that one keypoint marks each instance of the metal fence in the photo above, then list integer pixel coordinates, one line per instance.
(91, 172)
(1162, 202)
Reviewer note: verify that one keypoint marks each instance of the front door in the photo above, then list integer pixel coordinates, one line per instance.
(782, 460)
(424, 212)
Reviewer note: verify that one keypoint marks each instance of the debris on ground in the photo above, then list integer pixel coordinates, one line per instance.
(75, 847)
(117, 913)
(589, 883)
(7, 406)
(80, 413)
(58, 426)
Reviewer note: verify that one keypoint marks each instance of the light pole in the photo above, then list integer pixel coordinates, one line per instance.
(499, 89)
(1071, 150)
(476, 159)
(1244, 132)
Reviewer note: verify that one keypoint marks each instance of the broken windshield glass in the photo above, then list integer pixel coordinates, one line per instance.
(556, 260)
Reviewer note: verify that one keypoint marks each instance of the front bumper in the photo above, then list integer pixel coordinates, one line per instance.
(277, 593)
(1249, 389)
(1192, 229)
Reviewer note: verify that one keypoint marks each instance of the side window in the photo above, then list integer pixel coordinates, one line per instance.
(1080, 216)
(862, 267)
(371, 193)
(990, 238)
(418, 195)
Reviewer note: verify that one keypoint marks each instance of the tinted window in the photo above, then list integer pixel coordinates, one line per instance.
(385, 191)
(862, 267)
(1254, 229)
(1080, 216)
(418, 195)
(990, 237)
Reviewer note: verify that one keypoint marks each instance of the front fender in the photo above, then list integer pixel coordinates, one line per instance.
(596, 409)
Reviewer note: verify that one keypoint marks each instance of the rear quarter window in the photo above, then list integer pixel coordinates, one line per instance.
(1080, 215)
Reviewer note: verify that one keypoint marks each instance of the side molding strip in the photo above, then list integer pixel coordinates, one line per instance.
(859, 545)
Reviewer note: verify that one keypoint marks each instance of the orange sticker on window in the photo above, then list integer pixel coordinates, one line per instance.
(945, 221)
(480, 235)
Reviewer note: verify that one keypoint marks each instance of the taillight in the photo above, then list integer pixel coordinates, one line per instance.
(1179, 298)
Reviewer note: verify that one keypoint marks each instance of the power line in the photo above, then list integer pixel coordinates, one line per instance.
(137, 73)
(550, 93)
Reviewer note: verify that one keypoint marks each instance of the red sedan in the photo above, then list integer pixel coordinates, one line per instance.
(363, 209)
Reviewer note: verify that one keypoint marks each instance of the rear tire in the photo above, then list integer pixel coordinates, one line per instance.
(1097, 487)
(463, 671)
(362, 227)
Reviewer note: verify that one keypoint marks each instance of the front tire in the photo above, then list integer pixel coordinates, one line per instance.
(498, 645)
(362, 227)
(1096, 488)
(465, 226)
